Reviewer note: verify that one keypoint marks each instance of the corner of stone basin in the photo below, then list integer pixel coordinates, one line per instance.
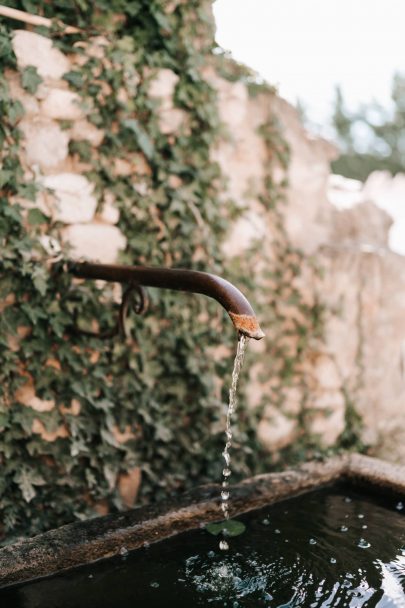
(85, 542)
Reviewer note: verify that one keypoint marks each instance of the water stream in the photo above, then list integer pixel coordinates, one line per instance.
(227, 471)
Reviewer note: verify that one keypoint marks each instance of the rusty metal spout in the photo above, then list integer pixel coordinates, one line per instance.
(234, 302)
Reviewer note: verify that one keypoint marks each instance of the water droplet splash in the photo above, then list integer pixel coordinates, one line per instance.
(363, 544)
(232, 578)
(226, 473)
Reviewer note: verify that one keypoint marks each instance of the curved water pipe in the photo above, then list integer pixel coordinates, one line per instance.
(211, 285)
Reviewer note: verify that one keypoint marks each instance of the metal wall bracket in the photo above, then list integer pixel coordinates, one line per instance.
(134, 298)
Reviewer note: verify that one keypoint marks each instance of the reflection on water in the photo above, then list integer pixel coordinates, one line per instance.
(239, 577)
(329, 548)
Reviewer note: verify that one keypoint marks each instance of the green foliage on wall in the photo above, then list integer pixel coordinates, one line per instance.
(163, 382)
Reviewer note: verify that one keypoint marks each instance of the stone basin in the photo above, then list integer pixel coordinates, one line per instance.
(85, 542)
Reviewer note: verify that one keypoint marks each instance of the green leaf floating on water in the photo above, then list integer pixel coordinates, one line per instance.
(230, 527)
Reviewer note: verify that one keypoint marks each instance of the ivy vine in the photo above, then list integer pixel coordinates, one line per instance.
(163, 384)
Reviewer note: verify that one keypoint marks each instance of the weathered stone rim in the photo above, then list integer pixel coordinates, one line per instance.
(84, 542)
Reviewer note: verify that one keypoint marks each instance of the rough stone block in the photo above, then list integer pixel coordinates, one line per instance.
(109, 212)
(326, 373)
(74, 201)
(275, 430)
(163, 84)
(36, 50)
(46, 145)
(328, 426)
(62, 105)
(84, 130)
(171, 119)
(38, 428)
(99, 242)
(128, 486)
(26, 395)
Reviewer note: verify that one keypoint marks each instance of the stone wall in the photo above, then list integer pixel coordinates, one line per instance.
(361, 362)
(67, 195)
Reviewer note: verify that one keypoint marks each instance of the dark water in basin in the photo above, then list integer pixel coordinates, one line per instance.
(331, 547)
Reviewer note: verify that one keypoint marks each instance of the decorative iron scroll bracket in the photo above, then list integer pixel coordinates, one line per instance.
(134, 298)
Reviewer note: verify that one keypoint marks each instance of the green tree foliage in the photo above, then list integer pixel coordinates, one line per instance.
(373, 137)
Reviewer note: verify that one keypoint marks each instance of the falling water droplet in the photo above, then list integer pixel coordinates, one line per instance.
(348, 499)
(223, 545)
(265, 521)
(123, 551)
(344, 528)
(332, 560)
(399, 506)
(360, 516)
(226, 472)
(312, 541)
(224, 495)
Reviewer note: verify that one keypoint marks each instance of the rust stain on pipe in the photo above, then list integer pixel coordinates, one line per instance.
(247, 325)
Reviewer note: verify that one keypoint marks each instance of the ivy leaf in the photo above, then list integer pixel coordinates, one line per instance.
(30, 79)
(13, 213)
(6, 49)
(16, 112)
(40, 280)
(143, 139)
(35, 217)
(28, 190)
(75, 78)
(26, 479)
(230, 527)
(5, 177)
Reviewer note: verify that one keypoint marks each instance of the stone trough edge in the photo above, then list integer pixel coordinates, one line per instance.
(87, 541)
